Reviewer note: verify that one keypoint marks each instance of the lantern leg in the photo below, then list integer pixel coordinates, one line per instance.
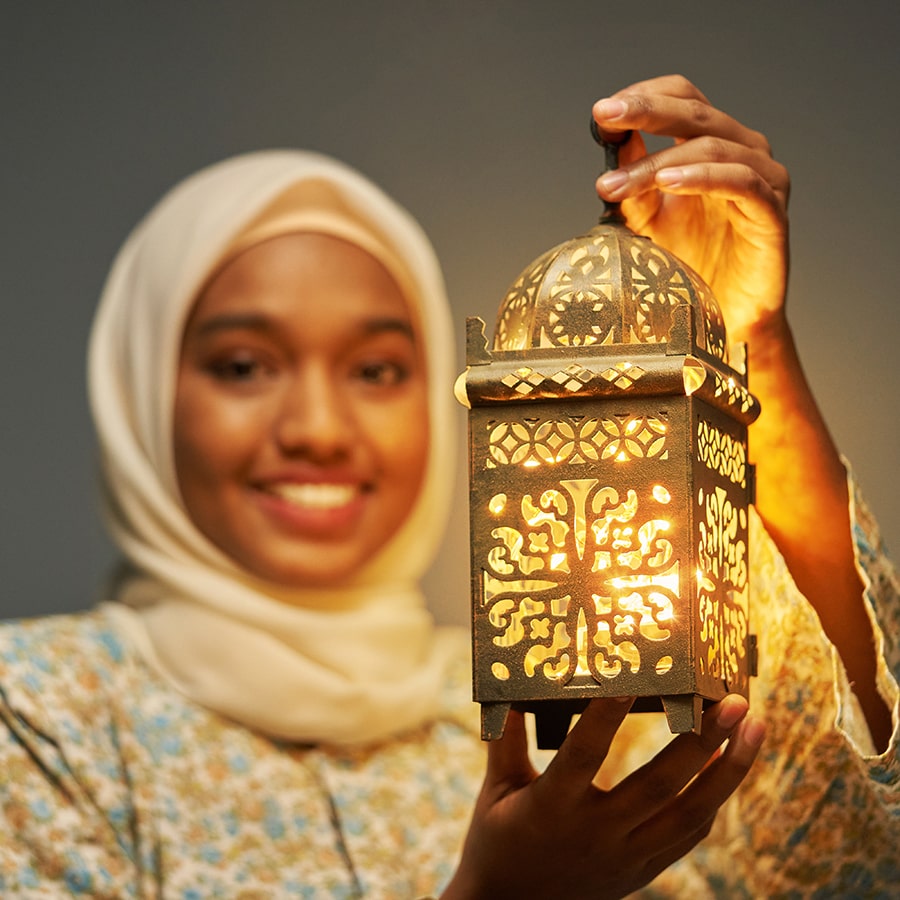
(551, 724)
(493, 720)
(683, 712)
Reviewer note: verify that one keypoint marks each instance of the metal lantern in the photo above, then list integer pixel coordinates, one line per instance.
(609, 489)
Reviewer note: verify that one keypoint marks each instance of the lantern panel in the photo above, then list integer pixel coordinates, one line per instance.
(579, 577)
(722, 482)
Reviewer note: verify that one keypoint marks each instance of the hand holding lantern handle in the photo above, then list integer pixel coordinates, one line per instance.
(718, 200)
(557, 835)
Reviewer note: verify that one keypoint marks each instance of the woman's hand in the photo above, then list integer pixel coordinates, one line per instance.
(718, 200)
(715, 198)
(558, 835)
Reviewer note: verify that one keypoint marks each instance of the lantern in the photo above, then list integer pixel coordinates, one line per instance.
(609, 489)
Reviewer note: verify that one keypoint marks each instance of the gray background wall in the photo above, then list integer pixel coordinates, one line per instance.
(474, 115)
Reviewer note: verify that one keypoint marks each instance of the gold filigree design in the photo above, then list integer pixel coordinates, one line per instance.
(623, 374)
(580, 296)
(533, 442)
(722, 453)
(574, 324)
(568, 532)
(735, 394)
(632, 437)
(658, 285)
(573, 378)
(722, 584)
(606, 287)
(712, 326)
(516, 313)
(523, 380)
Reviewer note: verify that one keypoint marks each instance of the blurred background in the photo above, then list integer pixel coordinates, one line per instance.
(475, 116)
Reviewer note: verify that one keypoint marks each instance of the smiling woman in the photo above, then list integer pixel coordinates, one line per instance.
(286, 458)
(301, 425)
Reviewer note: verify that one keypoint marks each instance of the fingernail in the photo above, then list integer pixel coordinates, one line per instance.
(748, 740)
(612, 182)
(610, 109)
(670, 177)
(730, 712)
(754, 733)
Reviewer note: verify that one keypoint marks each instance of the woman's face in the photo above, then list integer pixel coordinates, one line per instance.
(301, 428)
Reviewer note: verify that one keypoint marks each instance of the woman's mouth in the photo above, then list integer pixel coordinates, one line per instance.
(315, 496)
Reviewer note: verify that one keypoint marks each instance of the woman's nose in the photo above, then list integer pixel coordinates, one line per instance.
(313, 417)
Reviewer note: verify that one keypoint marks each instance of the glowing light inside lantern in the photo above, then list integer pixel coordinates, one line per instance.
(704, 582)
(669, 580)
(581, 646)
(500, 671)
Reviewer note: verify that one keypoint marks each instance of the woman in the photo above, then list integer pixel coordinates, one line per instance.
(265, 709)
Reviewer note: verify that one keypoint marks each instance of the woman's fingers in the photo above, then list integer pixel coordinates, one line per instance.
(585, 748)
(700, 165)
(696, 806)
(654, 785)
(670, 106)
(674, 85)
(602, 843)
(509, 766)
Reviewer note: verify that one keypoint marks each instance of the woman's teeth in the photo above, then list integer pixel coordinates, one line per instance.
(315, 496)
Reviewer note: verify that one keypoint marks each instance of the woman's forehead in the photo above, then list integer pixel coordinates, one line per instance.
(322, 278)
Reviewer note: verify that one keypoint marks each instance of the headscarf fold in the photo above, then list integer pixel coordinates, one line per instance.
(351, 664)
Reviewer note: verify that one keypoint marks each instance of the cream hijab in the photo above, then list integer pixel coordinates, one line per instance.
(351, 665)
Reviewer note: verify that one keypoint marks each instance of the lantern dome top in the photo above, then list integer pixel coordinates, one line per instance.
(609, 286)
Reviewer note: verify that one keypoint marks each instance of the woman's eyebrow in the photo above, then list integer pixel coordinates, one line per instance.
(232, 322)
(258, 322)
(388, 323)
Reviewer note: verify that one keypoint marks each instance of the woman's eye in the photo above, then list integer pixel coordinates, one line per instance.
(382, 373)
(236, 369)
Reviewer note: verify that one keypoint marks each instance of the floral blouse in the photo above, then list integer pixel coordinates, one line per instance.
(112, 785)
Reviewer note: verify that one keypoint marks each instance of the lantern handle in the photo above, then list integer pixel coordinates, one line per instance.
(612, 210)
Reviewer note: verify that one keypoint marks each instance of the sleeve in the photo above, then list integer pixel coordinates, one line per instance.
(882, 592)
(819, 814)
(64, 815)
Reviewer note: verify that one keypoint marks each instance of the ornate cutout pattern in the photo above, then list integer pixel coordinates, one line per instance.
(721, 453)
(623, 374)
(573, 378)
(534, 442)
(516, 313)
(605, 288)
(581, 532)
(735, 394)
(723, 562)
(523, 381)
(658, 287)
